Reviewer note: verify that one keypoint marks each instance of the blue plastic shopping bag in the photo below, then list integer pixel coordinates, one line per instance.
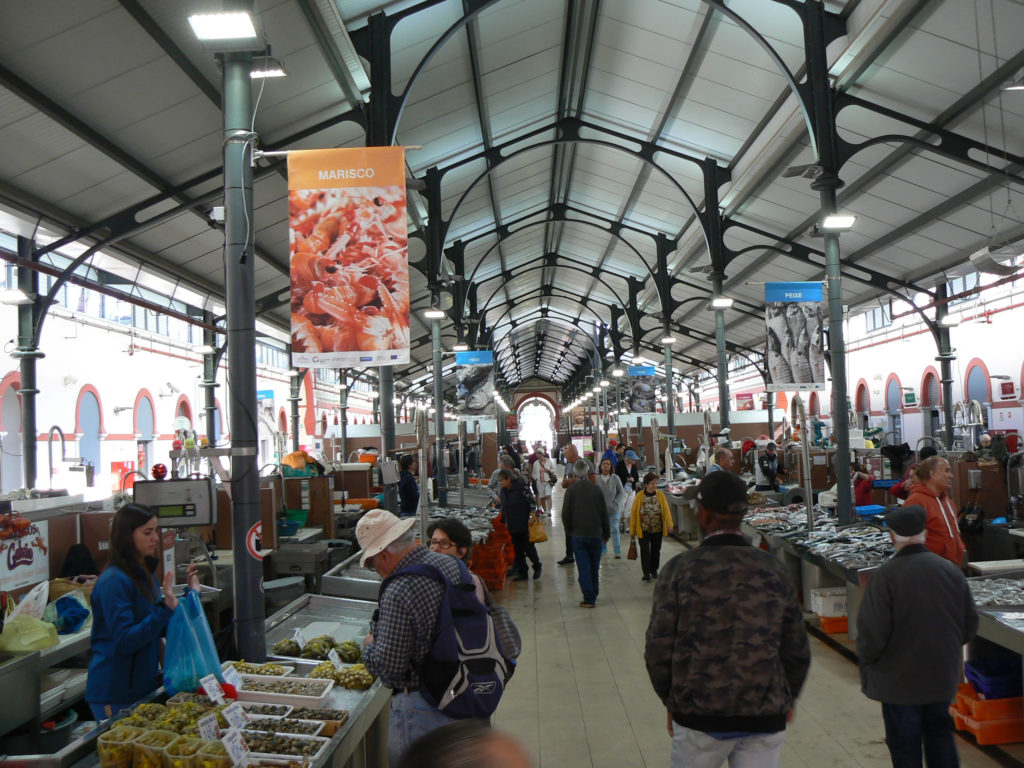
(190, 654)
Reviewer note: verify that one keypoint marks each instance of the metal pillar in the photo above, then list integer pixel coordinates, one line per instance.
(250, 637)
(945, 360)
(294, 396)
(670, 403)
(343, 404)
(723, 361)
(209, 383)
(27, 353)
(440, 470)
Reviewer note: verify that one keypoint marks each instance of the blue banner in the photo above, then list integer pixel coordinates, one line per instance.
(787, 292)
(640, 370)
(476, 357)
(264, 394)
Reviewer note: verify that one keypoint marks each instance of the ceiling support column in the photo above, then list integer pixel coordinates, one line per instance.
(211, 361)
(239, 273)
(945, 360)
(27, 353)
(723, 360)
(294, 396)
(343, 405)
(439, 466)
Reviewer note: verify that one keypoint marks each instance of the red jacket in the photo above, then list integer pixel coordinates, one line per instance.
(942, 528)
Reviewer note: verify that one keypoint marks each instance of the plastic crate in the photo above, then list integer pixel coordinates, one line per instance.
(834, 625)
(969, 704)
(870, 510)
(365, 503)
(990, 731)
(829, 601)
(288, 527)
(299, 515)
(996, 678)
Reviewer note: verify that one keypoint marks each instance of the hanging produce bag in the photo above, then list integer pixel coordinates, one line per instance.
(538, 532)
(191, 654)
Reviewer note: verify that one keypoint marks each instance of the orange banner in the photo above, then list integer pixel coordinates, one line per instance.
(349, 257)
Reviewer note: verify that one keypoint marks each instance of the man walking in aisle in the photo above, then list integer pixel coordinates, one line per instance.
(726, 650)
(585, 517)
(916, 615)
(571, 457)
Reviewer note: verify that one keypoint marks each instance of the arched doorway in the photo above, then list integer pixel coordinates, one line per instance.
(894, 416)
(88, 420)
(145, 428)
(978, 388)
(863, 406)
(536, 419)
(931, 404)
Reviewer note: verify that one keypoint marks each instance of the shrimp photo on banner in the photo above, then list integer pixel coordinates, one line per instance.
(348, 232)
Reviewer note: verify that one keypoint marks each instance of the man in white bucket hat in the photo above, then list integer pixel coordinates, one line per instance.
(403, 625)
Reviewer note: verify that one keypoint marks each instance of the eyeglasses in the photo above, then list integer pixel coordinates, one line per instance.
(442, 543)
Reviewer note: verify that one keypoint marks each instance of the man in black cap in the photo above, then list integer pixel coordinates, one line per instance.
(768, 470)
(726, 650)
(916, 615)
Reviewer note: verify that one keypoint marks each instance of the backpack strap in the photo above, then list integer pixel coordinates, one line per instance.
(432, 572)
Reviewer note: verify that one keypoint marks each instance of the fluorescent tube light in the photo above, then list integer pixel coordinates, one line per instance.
(721, 302)
(222, 26)
(838, 222)
(433, 314)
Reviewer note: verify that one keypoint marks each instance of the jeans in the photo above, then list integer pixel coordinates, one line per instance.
(588, 561)
(411, 717)
(524, 548)
(696, 749)
(613, 521)
(908, 725)
(650, 552)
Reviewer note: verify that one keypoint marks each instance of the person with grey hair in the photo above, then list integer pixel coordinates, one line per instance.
(723, 460)
(494, 485)
(403, 625)
(916, 615)
(585, 516)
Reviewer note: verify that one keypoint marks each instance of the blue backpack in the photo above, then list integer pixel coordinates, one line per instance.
(465, 672)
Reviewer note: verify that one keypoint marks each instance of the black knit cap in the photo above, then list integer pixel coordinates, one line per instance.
(906, 520)
(723, 493)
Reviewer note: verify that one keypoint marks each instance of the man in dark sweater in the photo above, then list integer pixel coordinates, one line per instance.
(726, 649)
(916, 615)
(585, 516)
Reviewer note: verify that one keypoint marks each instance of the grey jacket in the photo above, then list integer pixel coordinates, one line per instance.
(584, 512)
(916, 614)
(726, 645)
(614, 493)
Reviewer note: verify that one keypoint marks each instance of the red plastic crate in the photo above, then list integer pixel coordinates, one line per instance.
(970, 704)
(834, 625)
(991, 731)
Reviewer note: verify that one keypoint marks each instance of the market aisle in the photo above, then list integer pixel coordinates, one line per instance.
(581, 698)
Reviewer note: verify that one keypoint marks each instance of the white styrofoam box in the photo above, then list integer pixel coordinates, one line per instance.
(829, 601)
(827, 499)
(857, 443)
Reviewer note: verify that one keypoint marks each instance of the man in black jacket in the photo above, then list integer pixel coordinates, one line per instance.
(585, 516)
(516, 508)
(916, 615)
(768, 469)
(726, 650)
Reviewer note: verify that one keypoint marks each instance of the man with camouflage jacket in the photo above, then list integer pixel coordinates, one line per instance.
(726, 651)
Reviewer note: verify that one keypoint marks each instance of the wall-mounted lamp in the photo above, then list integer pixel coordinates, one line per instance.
(834, 223)
(668, 339)
(119, 409)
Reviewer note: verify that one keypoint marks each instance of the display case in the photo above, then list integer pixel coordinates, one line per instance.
(349, 579)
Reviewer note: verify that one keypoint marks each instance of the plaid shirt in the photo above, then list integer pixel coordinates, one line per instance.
(404, 629)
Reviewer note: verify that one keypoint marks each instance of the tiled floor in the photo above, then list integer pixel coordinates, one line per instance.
(581, 697)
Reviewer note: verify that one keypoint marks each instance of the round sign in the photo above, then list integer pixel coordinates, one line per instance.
(254, 541)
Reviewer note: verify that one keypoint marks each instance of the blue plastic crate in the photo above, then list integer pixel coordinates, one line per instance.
(996, 678)
(887, 483)
(870, 510)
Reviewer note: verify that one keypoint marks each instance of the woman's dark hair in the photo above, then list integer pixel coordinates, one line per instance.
(611, 466)
(649, 476)
(927, 452)
(122, 545)
(406, 462)
(455, 530)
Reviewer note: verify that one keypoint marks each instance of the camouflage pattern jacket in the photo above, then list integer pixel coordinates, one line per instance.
(726, 646)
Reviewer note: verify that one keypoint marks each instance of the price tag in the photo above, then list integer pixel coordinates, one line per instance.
(208, 728)
(235, 715)
(237, 749)
(231, 677)
(213, 689)
(299, 638)
(335, 659)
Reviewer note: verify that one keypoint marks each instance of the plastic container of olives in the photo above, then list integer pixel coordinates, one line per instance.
(288, 746)
(182, 752)
(148, 748)
(299, 692)
(114, 747)
(267, 669)
(213, 755)
(285, 725)
(196, 698)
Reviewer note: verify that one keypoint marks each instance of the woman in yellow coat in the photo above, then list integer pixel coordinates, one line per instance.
(649, 521)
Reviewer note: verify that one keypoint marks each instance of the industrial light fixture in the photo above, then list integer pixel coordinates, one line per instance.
(433, 313)
(617, 372)
(15, 297)
(206, 349)
(721, 302)
(837, 222)
(595, 390)
(294, 372)
(948, 321)
(460, 347)
(604, 382)
(267, 66)
(223, 26)
(1017, 84)
(668, 339)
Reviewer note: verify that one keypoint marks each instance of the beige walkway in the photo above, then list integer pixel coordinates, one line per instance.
(581, 697)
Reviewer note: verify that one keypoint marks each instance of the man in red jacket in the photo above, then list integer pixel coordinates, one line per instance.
(934, 479)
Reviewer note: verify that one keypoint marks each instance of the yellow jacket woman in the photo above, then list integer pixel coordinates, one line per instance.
(649, 521)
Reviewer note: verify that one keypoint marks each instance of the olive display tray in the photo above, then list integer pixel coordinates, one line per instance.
(323, 742)
(265, 697)
(318, 724)
(287, 670)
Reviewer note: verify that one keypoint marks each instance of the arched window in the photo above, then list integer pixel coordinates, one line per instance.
(931, 393)
(88, 420)
(145, 427)
(978, 385)
(814, 404)
(863, 401)
(892, 396)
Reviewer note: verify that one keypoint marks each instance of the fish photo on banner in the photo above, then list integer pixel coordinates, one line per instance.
(349, 262)
(474, 373)
(795, 336)
(642, 396)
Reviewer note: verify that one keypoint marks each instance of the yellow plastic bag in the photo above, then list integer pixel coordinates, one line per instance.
(23, 633)
(538, 532)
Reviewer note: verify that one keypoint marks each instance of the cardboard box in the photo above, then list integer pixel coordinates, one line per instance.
(829, 601)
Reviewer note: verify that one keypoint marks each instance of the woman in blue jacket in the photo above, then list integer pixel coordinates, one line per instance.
(129, 616)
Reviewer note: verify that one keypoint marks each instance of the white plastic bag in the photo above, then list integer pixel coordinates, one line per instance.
(34, 603)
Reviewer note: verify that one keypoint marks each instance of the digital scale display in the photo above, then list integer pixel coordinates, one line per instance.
(176, 510)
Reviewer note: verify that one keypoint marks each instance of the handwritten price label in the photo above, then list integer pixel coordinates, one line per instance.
(231, 677)
(208, 728)
(213, 689)
(335, 659)
(235, 715)
(299, 638)
(237, 749)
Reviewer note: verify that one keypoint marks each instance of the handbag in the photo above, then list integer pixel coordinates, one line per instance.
(631, 554)
(538, 532)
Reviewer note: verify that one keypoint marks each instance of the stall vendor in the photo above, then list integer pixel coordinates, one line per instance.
(408, 491)
(129, 616)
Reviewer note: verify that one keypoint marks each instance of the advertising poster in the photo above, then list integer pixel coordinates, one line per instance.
(745, 401)
(795, 336)
(24, 553)
(349, 258)
(642, 398)
(511, 422)
(474, 372)
(579, 417)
